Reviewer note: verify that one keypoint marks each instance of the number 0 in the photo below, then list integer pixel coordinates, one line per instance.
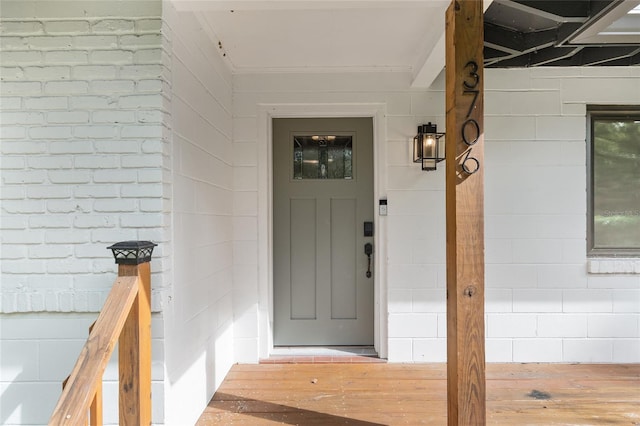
(475, 126)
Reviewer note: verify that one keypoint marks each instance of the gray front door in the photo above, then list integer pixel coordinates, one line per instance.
(322, 196)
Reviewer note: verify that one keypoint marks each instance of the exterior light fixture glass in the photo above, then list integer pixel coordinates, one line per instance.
(428, 148)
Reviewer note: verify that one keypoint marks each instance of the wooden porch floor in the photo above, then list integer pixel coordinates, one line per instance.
(415, 394)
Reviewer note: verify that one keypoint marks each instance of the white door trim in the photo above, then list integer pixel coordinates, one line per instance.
(266, 112)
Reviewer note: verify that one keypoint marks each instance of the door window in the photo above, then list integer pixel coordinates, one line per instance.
(323, 157)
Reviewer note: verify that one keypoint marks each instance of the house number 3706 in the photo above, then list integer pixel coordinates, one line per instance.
(470, 128)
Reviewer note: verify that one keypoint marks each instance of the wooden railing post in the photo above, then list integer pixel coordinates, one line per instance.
(134, 350)
(124, 318)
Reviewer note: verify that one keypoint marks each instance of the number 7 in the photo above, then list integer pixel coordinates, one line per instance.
(475, 98)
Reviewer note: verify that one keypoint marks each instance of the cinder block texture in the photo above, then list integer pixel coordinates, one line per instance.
(543, 302)
(38, 351)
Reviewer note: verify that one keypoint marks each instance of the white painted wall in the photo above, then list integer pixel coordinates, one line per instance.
(542, 304)
(198, 314)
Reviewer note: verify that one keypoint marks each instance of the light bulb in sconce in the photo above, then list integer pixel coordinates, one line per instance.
(428, 149)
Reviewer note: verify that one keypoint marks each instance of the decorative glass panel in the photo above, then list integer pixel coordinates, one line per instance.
(322, 157)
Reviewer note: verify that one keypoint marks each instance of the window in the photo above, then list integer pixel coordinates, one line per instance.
(614, 181)
(322, 157)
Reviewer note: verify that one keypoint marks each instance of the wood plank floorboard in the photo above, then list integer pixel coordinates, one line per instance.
(415, 394)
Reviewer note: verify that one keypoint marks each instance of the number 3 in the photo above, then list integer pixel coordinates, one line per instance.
(473, 73)
(471, 165)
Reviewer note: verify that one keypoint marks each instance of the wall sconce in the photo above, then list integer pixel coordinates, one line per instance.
(428, 149)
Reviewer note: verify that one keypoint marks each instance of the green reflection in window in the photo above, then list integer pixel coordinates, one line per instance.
(322, 157)
(616, 179)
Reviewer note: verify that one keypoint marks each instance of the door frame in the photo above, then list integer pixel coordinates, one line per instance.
(266, 113)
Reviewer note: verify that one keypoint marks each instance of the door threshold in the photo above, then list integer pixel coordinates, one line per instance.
(322, 355)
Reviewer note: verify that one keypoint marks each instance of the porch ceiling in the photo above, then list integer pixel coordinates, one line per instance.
(408, 35)
(528, 33)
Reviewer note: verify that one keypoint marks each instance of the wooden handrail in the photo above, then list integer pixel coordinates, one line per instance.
(95, 411)
(124, 319)
(80, 389)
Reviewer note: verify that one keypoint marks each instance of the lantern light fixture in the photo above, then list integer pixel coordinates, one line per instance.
(132, 252)
(428, 148)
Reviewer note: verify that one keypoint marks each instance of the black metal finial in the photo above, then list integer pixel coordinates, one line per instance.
(132, 252)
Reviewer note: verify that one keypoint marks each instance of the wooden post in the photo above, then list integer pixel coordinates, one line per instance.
(466, 391)
(134, 349)
(95, 411)
(134, 352)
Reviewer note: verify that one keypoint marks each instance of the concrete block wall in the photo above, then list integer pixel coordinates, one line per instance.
(38, 351)
(82, 151)
(199, 316)
(542, 303)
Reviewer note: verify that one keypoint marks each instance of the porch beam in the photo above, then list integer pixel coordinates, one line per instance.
(466, 391)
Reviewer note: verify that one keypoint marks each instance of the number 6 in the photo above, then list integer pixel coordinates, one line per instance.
(466, 168)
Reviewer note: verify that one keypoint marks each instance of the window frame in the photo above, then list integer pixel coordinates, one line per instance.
(594, 112)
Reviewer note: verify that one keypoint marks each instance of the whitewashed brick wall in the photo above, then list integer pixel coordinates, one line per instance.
(81, 167)
(542, 304)
(82, 152)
